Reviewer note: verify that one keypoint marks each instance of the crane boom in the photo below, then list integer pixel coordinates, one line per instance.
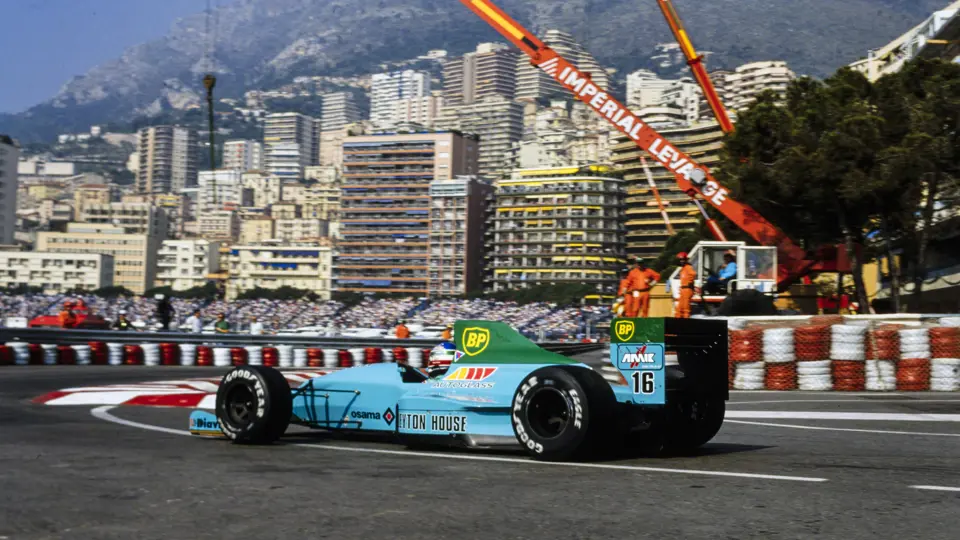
(695, 61)
(692, 178)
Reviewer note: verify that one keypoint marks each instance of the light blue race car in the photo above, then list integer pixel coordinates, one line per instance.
(502, 390)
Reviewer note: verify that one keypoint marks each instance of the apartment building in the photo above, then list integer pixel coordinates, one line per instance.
(645, 89)
(301, 229)
(339, 109)
(134, 218)
(457, 210)
(554, 226)
(53, 213)
(385, 207)
(167, 159)
(388, 89)
(89, 194)
(9, 157)
(185, 264)
(498, 122)
(490, 70)
(535, 84)
(179, 207)
(750, 80)
(646, 231)
(256, 230)
(221, 189)
(290, 144)
(273, 265)
(134, 255)
(56, 273)
(242, 155)
(262, 189)
(422, 111)
(219, 225)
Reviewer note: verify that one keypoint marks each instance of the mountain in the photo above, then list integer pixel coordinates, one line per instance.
(267, 42)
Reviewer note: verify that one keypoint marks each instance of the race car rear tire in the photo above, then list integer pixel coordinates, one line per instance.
(562, 413)
(692, 422)
(254, 405)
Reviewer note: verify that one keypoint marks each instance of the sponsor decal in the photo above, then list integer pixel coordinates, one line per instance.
(467, 377)
(470, 374)
(451, 423)
(475, 340)
(625, 330)
(365, 415)
(204, 424)
(628, 123)
(640, 356)
(412, 421)
(517, 423)
(457, 355)
(388, 416)
(577, 408)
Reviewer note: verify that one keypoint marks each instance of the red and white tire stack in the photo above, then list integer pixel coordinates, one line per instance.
(780, 359)
(913, 368)
(945, 365)
(848, 357)
(746, 359)
(882, 352)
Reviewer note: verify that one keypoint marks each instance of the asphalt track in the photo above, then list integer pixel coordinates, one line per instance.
(65, 473)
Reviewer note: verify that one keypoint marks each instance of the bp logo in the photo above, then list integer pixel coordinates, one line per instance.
(475, 340)
(624, 330)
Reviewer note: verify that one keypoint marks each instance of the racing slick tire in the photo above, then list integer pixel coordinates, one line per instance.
(563, 413)
(254, 405)
(692, 422)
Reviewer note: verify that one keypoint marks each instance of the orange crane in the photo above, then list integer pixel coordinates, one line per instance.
(695, 61)
(692, 178)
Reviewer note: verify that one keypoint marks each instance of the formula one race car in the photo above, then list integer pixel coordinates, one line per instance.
(502, 390)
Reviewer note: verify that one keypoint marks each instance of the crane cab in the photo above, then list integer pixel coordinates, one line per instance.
(756, 269)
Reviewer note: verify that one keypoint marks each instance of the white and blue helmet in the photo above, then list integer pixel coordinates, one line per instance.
(441, 357)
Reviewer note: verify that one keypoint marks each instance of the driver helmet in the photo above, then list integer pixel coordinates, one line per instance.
(440, 359)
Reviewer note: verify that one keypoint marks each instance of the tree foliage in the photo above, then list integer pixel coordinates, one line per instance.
(846, 161)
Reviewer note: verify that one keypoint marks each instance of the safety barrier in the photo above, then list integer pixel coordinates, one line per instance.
(844, 355)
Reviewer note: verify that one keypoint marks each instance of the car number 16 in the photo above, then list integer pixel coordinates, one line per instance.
(642, 382)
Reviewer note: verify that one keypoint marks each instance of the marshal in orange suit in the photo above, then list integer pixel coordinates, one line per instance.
(636, 290)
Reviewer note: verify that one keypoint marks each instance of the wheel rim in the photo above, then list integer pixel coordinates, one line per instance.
(548, 412)
(240, 405)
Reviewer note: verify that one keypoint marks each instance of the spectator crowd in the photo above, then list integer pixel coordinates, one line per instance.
(539, 320)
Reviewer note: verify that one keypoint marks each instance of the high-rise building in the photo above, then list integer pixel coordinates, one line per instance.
(498, 122)
(134, 255)
(749, 80)
(457, 211)
(9, 157)
(168, 159)
(289, 144)
(645, 89)
(557, 136)
(88, 194)
(422, 110)
(243, 155)
(134, 218)
(185, 264)
(491, 70)
(535, 84)
(385, 207)
(387, 89)
(263, 188)
(339, 109)
(558, 226)
(219, 225)
(646, 232)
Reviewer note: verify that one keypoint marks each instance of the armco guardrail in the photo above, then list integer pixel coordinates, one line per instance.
(82, 337)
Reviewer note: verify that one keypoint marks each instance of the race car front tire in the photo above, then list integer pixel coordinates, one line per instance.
(254, 405)
(560, 413)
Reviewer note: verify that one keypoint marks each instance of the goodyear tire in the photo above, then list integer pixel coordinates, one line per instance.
(562, 413)
(692, 422)
(254, 405)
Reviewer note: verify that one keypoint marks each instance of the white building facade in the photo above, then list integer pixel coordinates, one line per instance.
(185, 264)
(387, 89)
(271, 266)
(243, 155)
(55, 272)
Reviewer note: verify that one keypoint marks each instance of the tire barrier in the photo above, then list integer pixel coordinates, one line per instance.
(815, 354)
(271, 357)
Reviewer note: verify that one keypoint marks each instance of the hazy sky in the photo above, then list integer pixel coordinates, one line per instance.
(46, 42)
